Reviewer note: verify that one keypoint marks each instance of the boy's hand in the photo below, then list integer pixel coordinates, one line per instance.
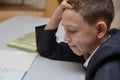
(59, 11)
(57, 15)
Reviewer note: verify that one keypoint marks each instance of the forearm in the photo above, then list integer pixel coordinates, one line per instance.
(55, 20)
(44, 38)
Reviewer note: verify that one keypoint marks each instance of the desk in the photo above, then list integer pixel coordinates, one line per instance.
(42, 68)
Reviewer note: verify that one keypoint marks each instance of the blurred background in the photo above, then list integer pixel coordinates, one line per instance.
(10, 8)
(40, 8)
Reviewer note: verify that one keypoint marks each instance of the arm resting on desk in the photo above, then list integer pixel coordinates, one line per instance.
(48, 47)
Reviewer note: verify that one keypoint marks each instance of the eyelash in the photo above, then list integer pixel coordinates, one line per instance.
(72, 31)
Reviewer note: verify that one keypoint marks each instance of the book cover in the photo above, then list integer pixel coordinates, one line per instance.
(26, 42)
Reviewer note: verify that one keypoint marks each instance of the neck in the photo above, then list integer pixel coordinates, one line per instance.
(86, 56)
(99, 41)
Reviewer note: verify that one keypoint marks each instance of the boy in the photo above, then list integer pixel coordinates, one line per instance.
(89, 40)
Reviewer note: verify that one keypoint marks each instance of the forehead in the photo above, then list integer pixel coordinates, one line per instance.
(71, 14)
(72, 18)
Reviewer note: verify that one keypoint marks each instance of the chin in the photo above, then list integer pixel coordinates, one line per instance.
(77, 53)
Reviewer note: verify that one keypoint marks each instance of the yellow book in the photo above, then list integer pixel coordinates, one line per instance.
(27, 42)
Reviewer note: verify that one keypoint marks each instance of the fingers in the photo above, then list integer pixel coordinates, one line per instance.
(65, 5)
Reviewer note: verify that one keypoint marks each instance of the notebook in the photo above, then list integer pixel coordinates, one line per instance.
(14, 65)
(26, 42)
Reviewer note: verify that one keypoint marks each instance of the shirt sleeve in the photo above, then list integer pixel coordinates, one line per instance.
(47, 46)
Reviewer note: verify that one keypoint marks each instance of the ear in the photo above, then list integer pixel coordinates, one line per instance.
(101, 29)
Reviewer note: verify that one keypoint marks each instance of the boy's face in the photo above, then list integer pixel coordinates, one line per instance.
(81, 37)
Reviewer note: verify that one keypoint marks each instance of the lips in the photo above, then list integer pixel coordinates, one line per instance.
(72, 45)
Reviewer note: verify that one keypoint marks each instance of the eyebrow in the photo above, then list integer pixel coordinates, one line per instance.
(70, 27)
(67, 25)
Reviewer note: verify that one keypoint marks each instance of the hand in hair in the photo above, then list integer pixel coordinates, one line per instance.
(57, 15)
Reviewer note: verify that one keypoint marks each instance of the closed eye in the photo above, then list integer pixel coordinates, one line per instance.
(70, 31)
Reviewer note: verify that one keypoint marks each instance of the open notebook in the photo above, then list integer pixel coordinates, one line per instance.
(26, 42)
(14, 65)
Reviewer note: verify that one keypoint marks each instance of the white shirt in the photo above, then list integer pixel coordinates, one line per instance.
(87, 61)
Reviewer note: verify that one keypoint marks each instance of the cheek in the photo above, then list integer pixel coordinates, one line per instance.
(85, 42)
(89, 38)
(79, 48)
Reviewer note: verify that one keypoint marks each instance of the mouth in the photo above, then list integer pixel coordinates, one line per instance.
(72, 46)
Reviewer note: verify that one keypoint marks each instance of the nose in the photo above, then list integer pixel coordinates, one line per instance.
(67, 37)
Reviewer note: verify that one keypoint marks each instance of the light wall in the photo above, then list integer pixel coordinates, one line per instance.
(36, 3)
(51, 5)
(48, 5)
(33, 3)
(116, 21)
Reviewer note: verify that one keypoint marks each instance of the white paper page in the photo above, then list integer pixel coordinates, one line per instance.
(16, 60)
(11, 74)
